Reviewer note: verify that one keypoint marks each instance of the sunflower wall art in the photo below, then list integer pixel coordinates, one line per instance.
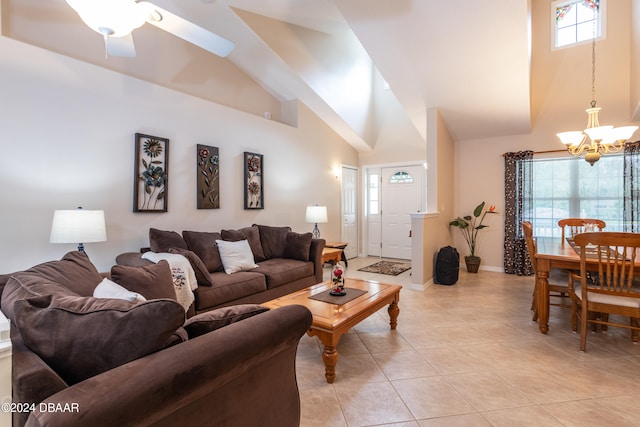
(150, 175)
(208, 178)
(253, 181)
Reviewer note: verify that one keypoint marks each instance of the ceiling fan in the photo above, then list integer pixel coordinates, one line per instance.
(116, 19)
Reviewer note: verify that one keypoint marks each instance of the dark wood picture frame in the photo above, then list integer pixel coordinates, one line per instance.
(150, 173)
(208, 177)
(253, 180)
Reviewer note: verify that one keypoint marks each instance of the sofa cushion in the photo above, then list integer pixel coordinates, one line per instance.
(215, 319)
(110, 289)
(298, 246)
(162, 241)
(252, 234)
(151, 281)
(280, 271)
(25, 285)
(80, 337)
(203, 244)
(273, 240)
(74, 271)
(200, 270)
(229, 287)
(236, 256)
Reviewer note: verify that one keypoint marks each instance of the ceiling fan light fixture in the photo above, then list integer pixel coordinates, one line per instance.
(113, 18)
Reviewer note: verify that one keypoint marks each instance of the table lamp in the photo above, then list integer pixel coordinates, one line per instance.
(78, 226)
(314, 215)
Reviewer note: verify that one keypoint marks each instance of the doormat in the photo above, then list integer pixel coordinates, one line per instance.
(390, 268)
(338, 300)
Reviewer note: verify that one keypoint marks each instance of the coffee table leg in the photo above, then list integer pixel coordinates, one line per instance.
(330, 359)
(394, 311)
(329, 354)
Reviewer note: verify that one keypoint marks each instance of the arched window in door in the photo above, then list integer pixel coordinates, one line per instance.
(401, 177)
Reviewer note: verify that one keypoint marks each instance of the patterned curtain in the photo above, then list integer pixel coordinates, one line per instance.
(518, 185)
(631, 179)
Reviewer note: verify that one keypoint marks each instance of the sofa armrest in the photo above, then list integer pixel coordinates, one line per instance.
(315, 255)
(132, 259)
(242, 374)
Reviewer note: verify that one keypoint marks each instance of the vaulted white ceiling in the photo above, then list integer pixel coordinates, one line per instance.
(469, 59)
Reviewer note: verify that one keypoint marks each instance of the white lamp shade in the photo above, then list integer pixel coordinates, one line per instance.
(623, 133)
(572, 138)
(316, 214)
(598, 133)
(78, 226)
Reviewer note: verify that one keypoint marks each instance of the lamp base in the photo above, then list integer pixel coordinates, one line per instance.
(316, 232)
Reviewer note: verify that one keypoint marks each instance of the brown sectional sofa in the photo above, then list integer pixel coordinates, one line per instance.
(287, 262)
(84, 361)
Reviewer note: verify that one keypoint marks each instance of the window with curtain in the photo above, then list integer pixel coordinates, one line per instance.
(518, 191)
(570, 187)
(631, 209)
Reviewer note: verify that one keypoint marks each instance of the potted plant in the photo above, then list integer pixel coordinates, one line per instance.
(469, 227)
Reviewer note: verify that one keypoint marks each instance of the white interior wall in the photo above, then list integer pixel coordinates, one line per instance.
(68, 140)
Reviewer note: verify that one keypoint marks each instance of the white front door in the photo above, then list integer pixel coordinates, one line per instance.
(349, 190)
(401, 194)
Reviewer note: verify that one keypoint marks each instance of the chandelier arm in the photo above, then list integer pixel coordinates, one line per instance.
(577, 150)
(614, 147)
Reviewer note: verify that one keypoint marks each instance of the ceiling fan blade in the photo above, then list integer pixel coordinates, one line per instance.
(121, 46)
(188, 31)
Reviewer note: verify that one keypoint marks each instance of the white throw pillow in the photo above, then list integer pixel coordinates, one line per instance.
(110, 289)
(236, 256)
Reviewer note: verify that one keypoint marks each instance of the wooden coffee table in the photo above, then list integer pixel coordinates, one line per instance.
(331, 321)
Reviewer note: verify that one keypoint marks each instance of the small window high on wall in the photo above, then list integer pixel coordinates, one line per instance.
(577, 21)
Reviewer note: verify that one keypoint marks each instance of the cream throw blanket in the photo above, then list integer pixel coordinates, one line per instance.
(184, 278)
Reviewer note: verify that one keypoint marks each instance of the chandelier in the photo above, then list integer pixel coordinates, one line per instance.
(596, 139)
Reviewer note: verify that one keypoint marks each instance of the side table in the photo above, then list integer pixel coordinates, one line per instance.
(331, 255)
(341, 246)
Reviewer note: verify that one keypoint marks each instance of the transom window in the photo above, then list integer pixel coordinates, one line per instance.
(577, 21)
(400, 177)
(571, 188)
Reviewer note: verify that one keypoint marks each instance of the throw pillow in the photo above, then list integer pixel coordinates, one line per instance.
(252, 234)
(236, 256)
(215, 319)
(151, 281)
(200, 270)
(79, 337)
(162, 241)
(204, 245)
(298, 246)
(109, 289)
(273, 240)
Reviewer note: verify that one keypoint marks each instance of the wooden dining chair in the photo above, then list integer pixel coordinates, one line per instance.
(609, 257)
(577, 225)
(558, 278)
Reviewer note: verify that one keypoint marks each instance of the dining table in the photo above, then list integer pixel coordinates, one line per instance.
(555, 252)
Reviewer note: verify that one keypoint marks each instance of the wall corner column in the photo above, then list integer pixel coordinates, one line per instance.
(420, 257)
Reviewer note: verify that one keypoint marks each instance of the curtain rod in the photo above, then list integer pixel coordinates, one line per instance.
(542, 152)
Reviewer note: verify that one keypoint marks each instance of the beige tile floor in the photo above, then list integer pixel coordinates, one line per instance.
(469, 355)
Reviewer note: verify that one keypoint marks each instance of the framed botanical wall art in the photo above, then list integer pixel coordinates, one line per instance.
(208, 177)
(253, 181)
(150, 174)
